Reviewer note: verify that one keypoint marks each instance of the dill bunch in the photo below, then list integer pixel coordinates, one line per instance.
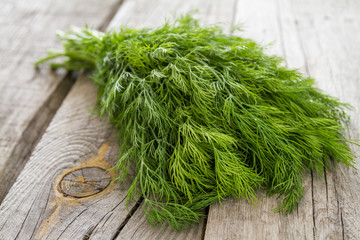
(203, 115)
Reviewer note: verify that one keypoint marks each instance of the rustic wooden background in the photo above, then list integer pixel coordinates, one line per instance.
(52, 146)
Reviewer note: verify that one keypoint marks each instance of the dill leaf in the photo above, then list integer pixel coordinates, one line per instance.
(204, 115)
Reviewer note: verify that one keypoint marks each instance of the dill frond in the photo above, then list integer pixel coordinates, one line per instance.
(204, 115)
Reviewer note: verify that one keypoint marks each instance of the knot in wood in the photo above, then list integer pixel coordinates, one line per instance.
(84, 182)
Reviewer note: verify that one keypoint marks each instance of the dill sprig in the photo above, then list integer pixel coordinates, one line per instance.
(203, 115)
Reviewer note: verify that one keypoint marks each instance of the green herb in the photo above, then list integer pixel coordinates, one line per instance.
(205, 115)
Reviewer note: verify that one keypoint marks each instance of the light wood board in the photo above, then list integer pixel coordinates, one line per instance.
(61, 217)
(321, 38)
(29, 98)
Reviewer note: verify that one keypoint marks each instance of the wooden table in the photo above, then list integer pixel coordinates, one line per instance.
(53, 149)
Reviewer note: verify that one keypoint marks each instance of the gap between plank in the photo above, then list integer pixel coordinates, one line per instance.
(40, 122)
(207, 209)
(131, 212)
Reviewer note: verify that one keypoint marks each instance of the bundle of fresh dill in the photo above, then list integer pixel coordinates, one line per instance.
(205, 115)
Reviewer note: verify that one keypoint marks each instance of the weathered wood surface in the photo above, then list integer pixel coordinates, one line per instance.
(62, 193)
(29, 98)
(34, 207)
(322, 39)
(73, 135)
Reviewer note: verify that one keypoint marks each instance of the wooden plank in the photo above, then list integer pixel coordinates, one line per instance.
(237, 219)
(320, 38)
(131, 13)
(329, 32)
(210, 12)
(68, 144)
(29, 97)
(95, 218)
(139, 228)
(75, 139)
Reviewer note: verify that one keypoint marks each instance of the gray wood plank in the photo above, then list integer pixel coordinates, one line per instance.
(76, 139)
(330, 36)
(139, 228)
(321, 38)
(210, 12)
(29, 98)
(237, 219)
(34, 208)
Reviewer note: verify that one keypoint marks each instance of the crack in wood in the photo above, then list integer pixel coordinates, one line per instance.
(71, 223)
(88, 233)
(207, 209)
(137, 229)
(326, 189)
(107, 215)
(131, 213)
(342, 225)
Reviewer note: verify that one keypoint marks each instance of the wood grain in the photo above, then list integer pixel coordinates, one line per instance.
(330, 41)
(72, 136)
(75, 139)
(29, 98)
(321, 39)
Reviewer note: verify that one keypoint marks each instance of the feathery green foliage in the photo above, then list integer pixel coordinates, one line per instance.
(205, 115)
